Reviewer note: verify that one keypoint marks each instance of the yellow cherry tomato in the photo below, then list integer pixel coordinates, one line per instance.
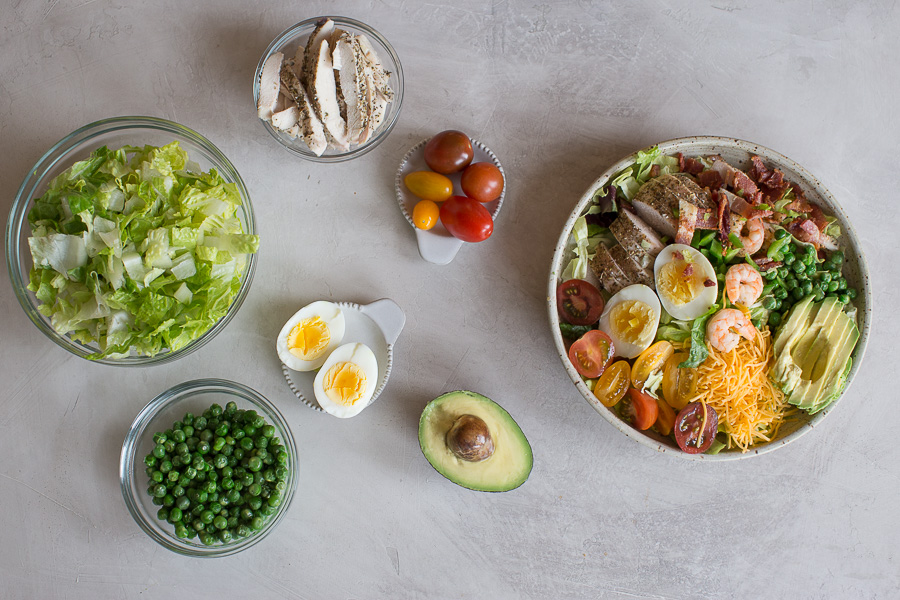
(613, 384)
(678, 385)
(650, 360)
(425, 214)
(428, 185)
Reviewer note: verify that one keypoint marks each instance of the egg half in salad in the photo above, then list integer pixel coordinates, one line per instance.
(308, 337)
(346, 382)
(630, 319)
(685, 281)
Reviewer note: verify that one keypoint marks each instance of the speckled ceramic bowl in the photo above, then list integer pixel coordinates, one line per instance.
(737, 153)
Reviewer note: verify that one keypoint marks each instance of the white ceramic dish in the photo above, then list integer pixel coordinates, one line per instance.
(737, 153)
(377, 325)
(436, 245)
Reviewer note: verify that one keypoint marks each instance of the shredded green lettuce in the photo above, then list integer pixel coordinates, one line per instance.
(584, 240)
(629, 180)
(136, 251)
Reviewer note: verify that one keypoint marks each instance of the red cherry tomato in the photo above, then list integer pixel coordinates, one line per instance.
(482, 181)
(579, 302)
(639, 409)
(693, 432)
(592, 353)
(449, 152)
(467, 219)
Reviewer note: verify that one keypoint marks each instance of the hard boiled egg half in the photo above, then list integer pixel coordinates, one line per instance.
(345, 383)
(685, 281)
(630, 319)
(308, 337)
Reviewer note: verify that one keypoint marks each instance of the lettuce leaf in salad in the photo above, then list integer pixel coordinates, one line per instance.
(583, 241)
(135, 253)
(629, 180)
(699, 352)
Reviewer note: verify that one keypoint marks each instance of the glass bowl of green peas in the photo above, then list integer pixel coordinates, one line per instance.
(208, 468)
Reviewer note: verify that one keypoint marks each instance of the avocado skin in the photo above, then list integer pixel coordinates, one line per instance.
(812, 353)
(509, 466)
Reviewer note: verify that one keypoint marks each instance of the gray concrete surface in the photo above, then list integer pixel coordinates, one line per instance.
(559, 91)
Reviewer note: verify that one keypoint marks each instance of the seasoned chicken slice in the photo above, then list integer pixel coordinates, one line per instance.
(309, 127)
(322, 32)
(380, 76)
(269, 86)
(352, 79)
(323, 94)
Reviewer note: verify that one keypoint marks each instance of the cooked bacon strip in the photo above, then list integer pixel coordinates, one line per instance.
(805, 230)
(680, 157)
(710, 179)
(744, 184)
(724, 217)
(687, 222)
(742, 207)
(692, 166)
(765, 263)
(770, 178)
(725, 170)
(654, 171)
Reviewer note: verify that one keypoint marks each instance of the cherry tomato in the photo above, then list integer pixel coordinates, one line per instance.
(449, 152)
(666, 419)
(591, 353)
(482, 181)
(467, 219)
(579, 302)
(425, 214)
(639, 409)
(678, 385)
(613, 383)
(650, 360)
(695, 427)
(429, 186)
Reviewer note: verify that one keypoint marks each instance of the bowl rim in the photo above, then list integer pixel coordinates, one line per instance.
(128, 461)
(668, 147)
(59, 152)
(285, 38)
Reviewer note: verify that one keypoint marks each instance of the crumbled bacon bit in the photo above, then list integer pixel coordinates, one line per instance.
(654, 170)
(710, 179)
(692, 166)
(680, 157)
(724, 218)
(688, 271)
(744, 183)
(709, 283)
(678, 255)
(805, 230)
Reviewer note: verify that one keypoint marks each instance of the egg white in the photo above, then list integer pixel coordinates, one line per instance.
(333, 318)
(363, 357)
(704, 300)
(643, 294)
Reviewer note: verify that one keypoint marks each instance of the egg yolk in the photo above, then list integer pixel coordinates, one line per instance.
(680, 281)
(631, 321)
(309, 338)
(344, 383)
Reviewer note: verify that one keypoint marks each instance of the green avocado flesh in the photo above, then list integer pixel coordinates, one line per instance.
(506, 469)
(812, 353)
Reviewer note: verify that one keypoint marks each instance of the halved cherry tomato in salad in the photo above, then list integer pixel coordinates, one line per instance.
(467, 219)
(639, 409)
(613, 383)
(578, 302)
(650, 360)
(695, 427)
(591, 353)
(678, 385)
(429, 186)
(666, 419)
(482, 181)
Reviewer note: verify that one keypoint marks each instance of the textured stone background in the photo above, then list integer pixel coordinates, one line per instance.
(559, 91)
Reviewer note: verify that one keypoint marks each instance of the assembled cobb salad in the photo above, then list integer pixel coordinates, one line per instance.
(706, 302)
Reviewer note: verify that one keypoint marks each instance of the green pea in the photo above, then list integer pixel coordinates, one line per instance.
(181, 531)
(188, 419)
(833, 286)
(797, 293)
(775, 319)
(807, 287)
(811, 271)
(159, 451)
(819, 295)
(254, 502)
(207, 539)
(790, 283)
(842, 283)
(851, 293)
(163, 514)
(174, 514)
(182, 502)
(798, 267)
(777, 305)
(159, 437)
(825, 276)
(844, 298)
(788, 259)
(780, 234)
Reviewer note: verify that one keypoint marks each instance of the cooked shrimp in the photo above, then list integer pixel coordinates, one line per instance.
(743, 284)
(756, 233)
(726, 327)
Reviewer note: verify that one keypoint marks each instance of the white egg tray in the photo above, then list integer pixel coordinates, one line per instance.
(437, 245)
(377, 325)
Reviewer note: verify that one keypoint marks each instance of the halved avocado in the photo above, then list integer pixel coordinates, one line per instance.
(473, 442)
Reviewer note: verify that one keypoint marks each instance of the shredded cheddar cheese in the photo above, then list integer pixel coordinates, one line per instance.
(737, 386)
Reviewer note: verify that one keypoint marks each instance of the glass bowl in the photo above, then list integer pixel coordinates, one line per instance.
(115, 132)
(297, 35)
(738, 153)
(195, 397)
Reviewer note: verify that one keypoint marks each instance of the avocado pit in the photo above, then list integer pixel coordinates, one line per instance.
(470, 439)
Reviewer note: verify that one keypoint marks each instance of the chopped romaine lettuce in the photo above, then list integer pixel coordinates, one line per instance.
(135, 253)
(584, 240)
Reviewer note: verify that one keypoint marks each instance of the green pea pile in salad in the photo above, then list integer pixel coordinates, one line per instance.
(137, 250)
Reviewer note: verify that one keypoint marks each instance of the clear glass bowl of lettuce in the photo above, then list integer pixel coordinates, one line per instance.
(132, 241)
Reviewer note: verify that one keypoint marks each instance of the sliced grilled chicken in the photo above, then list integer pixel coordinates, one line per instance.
(287, 118)
(634, 272)
(323, 94)
(353, 86)
(657, 202)
(607, 271)
(380, 76)
(635, 236)
(309, 127)
(269, 86)
(322, 32)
